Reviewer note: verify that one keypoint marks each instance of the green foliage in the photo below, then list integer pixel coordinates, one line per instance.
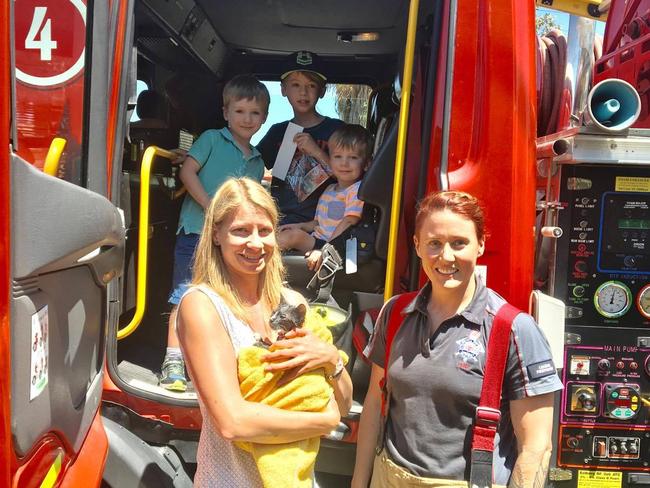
(352, 102)
(545, 23)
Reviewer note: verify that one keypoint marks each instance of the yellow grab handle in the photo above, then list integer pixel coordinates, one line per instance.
(143, 238)
(409, 54)
(54, 156)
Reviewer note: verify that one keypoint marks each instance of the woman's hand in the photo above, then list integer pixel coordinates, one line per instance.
(332, 414)
(301, 351)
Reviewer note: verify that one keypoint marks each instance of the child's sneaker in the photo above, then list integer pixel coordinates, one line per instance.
(172, 375)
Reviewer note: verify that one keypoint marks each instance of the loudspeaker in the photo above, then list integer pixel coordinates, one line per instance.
(613, 105)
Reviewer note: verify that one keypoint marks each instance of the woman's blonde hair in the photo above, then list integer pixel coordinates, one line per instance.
(209, 267)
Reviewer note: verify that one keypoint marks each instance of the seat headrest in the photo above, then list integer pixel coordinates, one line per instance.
(150, 105)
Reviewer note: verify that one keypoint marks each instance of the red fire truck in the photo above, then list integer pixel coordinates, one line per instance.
(451, 90)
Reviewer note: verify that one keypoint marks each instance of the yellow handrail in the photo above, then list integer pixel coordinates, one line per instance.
(401, 147)
(143, 237)
(51, 165)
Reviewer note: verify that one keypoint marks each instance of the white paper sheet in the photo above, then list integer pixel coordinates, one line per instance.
(286, 151)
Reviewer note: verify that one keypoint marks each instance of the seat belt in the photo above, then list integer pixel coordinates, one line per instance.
(488, 413)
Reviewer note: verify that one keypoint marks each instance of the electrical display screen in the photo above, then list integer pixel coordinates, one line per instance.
(633, 224)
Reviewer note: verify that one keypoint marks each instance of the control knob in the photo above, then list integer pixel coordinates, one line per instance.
(572, 442)
(587, 400)
(629, 261)
(580, 266)
(632, 448)
(578, 291)
(603, 365)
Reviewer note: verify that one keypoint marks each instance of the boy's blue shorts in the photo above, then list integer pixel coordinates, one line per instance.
(183, 256)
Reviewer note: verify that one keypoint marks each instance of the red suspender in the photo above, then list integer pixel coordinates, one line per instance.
(394, 323)
(488, 413)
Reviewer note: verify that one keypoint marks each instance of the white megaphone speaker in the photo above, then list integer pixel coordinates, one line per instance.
(613, 105)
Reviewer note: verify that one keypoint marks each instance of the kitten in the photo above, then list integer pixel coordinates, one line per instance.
(285, 318)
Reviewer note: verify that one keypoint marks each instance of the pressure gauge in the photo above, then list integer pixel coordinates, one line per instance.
(643, 301)
(613, 299)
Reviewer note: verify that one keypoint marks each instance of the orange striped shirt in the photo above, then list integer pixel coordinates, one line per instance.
(333, 206)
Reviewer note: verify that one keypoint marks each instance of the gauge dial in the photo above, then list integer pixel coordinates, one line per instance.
(643, 301)
(612, 299)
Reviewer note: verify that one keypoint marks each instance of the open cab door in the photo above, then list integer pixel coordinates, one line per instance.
(63, 241)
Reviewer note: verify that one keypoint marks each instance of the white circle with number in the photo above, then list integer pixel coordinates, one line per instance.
(43, 40)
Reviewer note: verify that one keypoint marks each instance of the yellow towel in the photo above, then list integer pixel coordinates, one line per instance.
(289, 465)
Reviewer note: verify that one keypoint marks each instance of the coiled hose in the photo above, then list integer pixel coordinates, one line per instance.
(553, 96)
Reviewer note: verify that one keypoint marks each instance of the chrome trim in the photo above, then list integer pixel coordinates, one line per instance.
(449, 78)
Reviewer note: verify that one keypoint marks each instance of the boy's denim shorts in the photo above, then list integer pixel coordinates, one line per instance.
(183, 257)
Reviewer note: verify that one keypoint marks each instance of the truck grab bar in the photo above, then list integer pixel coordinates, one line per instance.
(405, 103)
(143, 237)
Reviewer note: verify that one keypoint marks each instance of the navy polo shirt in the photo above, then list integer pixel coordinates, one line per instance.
(435, 384)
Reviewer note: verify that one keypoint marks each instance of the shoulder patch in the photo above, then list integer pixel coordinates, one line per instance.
(541, 369)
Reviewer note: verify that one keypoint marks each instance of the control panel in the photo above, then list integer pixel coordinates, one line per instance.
(604, 277)
(605, 405)
(602, 274)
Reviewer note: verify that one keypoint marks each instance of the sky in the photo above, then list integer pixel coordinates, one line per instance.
(562, 19)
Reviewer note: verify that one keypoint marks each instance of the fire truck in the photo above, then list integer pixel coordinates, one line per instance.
(550, 133)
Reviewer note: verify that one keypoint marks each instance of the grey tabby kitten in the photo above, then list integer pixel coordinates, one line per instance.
(283, 319)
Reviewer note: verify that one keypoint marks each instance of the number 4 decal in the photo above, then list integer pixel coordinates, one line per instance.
(45, 43)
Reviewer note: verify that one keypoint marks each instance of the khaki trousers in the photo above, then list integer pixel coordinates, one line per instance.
(387, 474)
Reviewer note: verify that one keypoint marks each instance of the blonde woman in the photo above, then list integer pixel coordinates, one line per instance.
(237, 283)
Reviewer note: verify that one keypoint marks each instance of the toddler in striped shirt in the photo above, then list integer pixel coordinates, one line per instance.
(339, 207)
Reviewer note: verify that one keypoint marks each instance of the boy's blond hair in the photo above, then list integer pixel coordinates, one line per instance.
(353, 137)
(209, 267)
(246, 87)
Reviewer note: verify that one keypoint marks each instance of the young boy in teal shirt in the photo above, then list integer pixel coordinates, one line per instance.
(216, 156)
